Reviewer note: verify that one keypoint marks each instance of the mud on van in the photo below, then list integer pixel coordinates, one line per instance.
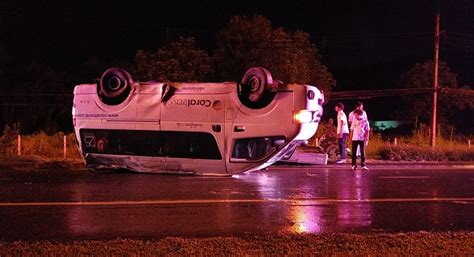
(195, 128)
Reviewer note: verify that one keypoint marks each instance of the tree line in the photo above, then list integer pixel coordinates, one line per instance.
(40, 98)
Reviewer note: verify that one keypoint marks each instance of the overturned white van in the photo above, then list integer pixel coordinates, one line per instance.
(193, 128)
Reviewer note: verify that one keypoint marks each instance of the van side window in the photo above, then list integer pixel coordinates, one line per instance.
(174, 144)
(255, 148)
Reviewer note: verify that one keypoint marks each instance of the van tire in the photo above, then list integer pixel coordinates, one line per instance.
(256, 89)
(115, 86)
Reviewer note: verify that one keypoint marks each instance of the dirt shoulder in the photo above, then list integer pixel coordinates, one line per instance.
(34, 162)
(379, 244)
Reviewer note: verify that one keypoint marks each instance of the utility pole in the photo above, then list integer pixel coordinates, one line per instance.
(435, 82)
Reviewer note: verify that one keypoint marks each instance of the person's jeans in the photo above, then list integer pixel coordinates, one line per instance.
(361, 144)
(342, 145)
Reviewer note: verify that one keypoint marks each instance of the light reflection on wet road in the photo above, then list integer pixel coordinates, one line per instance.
(82, 205)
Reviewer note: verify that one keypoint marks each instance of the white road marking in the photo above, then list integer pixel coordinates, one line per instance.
(238, 201)
(404, 177)
(463, 202)
(464, 166)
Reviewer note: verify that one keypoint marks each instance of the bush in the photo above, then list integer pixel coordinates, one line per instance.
(7, 140)
(376, 143)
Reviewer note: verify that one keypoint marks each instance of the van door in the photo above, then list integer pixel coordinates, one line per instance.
(195, 123)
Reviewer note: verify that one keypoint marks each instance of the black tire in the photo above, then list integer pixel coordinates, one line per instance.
(256, 89)
(115, 86)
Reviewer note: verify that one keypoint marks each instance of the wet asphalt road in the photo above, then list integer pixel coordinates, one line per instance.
(79, 205)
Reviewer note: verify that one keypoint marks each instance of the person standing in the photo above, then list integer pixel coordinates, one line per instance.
(360, 131)
(358, 106)
(342, 131)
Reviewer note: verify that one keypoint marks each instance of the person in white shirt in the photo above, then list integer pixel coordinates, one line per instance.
(360, 131)
(342, 131)
(358, 106)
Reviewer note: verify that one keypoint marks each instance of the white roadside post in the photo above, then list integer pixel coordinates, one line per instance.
(65, 147)
(19, 144)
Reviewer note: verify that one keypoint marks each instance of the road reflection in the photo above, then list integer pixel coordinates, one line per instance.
(306, 219)
(312, 201)
(355, 215)
(311, 212)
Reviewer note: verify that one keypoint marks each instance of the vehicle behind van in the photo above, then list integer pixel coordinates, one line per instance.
(192, 128)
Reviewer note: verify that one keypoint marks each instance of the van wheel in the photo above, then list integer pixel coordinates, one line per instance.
(115, 86)
(256, 90)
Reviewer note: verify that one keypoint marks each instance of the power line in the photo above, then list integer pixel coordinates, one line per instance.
(366, 94)
(374, 35)
(465, 35)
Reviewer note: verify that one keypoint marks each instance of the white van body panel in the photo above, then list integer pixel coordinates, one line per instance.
(185, 112)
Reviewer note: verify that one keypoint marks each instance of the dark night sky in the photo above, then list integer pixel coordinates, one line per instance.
(365, 44)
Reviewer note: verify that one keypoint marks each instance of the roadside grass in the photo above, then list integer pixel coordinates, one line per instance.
(41, 144)
(418, 148)
(408, 148)
(413, 148)
(408, 152)
(332, 244)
